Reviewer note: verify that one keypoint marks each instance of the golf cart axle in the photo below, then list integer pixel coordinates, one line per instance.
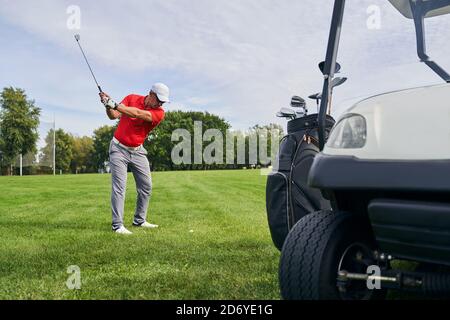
(428, 283)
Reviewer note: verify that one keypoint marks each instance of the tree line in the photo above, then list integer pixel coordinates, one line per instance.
(19, 122)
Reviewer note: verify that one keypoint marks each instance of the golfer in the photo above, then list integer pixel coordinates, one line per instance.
(138, 115)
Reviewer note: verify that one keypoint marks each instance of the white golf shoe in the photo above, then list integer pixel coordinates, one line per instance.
(146, 225)
(123, 230)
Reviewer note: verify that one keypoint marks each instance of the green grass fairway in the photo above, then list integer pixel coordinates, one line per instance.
(213, 241)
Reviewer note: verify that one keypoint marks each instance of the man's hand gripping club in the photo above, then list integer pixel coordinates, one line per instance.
(108, 102)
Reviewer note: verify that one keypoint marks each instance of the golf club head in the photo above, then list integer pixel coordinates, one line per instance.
(322, 67)
(316, 96)
(287, 111)
(282, 115)
(297, 102)
(338, 81)
(300, 112)
(77, 37)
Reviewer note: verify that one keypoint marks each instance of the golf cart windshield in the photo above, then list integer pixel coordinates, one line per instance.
(417, 10)
(439, 8)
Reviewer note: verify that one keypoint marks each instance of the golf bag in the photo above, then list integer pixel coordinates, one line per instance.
(288, 196)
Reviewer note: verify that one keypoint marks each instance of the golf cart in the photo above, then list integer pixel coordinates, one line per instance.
(385, 169)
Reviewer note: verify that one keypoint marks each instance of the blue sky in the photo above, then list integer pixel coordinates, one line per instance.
(242, 60)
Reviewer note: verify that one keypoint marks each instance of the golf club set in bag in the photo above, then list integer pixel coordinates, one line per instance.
(288, 196)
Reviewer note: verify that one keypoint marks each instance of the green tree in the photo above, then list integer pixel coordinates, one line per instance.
(19, 121)
(160, 145)
(101, 141)
(64, 150)
(83, 148)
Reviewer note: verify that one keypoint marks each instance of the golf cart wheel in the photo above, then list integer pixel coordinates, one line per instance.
(320, 245)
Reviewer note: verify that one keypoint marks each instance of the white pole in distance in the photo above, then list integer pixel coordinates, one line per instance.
(54, 145)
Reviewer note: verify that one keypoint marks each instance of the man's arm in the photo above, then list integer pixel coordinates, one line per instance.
(113, 114)
(120, 109)
(135, 113)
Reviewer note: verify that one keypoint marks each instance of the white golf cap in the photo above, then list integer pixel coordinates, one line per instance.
(162, 91)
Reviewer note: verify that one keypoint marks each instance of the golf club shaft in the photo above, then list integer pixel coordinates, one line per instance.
(85, 58)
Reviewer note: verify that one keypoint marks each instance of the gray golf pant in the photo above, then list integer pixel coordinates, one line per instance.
(120, 158)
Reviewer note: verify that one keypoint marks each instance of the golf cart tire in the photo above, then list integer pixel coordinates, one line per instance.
(312, 251)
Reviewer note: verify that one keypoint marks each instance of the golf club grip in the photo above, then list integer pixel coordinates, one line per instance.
(100, 89)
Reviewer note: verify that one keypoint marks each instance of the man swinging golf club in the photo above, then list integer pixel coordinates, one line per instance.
(138, 115)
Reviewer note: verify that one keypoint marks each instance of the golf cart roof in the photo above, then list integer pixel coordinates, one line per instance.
(404, 6)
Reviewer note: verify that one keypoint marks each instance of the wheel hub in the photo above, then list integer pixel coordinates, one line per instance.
(356, 258)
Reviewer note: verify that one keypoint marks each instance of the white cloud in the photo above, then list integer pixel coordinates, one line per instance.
(244, 59)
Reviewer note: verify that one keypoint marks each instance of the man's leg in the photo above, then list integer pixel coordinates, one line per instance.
(119, 160)
(141, 172)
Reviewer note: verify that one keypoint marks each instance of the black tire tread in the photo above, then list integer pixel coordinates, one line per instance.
(304, 246)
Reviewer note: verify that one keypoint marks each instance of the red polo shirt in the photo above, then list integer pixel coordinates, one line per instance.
(132, 132)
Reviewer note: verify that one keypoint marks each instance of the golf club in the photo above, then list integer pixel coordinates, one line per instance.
(317, 97)
(298, 102)
(300, 113)
(336, 70)
(77, 38)
(300, 106)
(283, 115)
(335, 83)
(288, 113)
(338, 81)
